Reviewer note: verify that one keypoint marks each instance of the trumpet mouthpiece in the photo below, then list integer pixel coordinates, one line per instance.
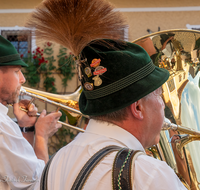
(168, 125)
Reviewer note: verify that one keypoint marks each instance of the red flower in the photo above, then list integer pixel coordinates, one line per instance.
(34, 57)
(21, 55)
(49, 43)
(38, 50)
(52, 83)
(42, 60)
(29, 52)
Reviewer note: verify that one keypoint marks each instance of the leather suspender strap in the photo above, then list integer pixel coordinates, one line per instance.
(44, 177)
(89, 166)
(122, 169)
(84, 173)
(121, 174)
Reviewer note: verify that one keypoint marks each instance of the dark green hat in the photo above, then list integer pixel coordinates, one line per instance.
(115, 76)
(9, 55)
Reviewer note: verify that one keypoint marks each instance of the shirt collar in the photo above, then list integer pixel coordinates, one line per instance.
(3, 109)
(113, 131)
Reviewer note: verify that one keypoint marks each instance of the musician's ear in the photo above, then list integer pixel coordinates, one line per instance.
(137, 109)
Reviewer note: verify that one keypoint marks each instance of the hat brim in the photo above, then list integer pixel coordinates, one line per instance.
(124, 97)
(16, 62)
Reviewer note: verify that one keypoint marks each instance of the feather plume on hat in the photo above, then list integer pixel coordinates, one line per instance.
(75, 23)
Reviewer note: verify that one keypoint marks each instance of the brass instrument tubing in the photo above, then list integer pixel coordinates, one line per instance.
(65, 124)
(71, 126)
(168, 125)
(23, 91)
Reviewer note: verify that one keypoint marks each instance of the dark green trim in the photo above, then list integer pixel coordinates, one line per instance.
(122, 83)
(9, 58)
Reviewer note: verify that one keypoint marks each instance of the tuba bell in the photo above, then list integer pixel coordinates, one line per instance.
(178, 51)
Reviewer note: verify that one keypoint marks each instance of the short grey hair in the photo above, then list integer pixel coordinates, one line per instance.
(119, 115)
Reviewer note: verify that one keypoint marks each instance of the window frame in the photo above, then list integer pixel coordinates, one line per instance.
(5, 31)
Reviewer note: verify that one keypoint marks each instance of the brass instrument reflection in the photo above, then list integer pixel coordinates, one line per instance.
(178, 51)
(178, 141)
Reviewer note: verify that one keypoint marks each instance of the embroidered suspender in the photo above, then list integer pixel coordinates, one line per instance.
(121, 172)
(122, 169)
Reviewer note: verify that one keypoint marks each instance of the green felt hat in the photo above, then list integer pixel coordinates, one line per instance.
(116, 76)
(9, 55)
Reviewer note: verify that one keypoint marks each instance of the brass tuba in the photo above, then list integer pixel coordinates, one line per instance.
(178, 51)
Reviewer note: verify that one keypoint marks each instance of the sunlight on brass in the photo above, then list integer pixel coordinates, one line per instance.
(190, 135)
(61, 101)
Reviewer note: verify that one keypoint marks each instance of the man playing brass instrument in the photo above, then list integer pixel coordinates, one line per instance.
(126, 110)
(21, 165)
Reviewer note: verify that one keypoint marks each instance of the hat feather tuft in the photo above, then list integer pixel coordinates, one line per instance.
(75, 23)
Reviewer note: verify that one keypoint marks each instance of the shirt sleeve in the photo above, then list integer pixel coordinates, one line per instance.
(20, 168)
(150, 173)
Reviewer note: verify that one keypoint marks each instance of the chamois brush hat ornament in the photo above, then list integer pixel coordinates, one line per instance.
(113, 73)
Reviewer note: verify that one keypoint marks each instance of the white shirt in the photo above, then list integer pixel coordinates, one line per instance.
(19, 166)
(149, 173)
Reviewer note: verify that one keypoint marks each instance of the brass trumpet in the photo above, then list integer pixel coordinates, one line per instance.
(66, 102)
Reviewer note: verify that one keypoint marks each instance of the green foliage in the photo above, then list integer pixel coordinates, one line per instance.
(41, 63)
(66, 65)
(61, 134)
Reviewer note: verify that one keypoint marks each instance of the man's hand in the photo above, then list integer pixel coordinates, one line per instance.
(25, 119)
(47, 125)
